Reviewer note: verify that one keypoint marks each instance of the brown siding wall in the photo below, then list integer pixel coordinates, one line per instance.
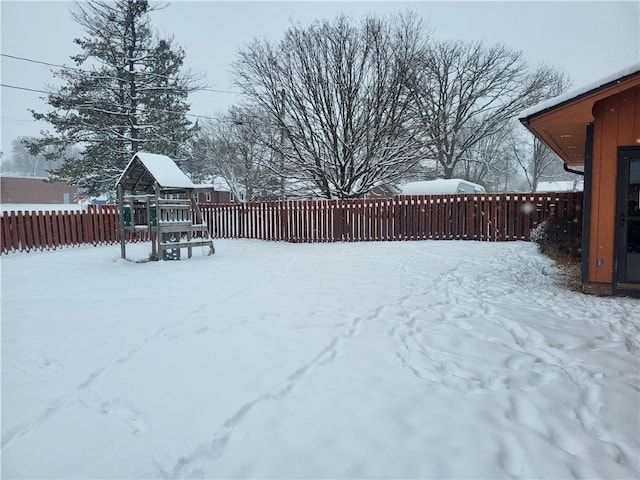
(616, 124)
(33, 190)
(216, 197)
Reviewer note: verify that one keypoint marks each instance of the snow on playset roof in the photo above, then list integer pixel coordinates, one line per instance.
(440, 186)
(145, 169)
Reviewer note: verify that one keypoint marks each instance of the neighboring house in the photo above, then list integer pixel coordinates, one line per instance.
(561, 186)
(596, 130)
(215, 196)
(217, 193)
(221, 192)
(441, 186)
(35, 190)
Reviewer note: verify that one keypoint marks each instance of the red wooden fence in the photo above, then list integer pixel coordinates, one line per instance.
(490, 217)
(26, 231)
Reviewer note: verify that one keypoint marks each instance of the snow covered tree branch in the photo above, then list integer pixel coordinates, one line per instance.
(338, 93)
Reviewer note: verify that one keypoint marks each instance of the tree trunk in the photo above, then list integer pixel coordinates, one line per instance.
(448, 172)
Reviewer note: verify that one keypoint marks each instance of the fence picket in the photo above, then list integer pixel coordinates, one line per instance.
(22, 232)
(4, 233)
(66, 221)
(39, 234)
(76, 228)
(62, 239)
(15, 234)
(46, 228)
(35, 229)
(4, 247)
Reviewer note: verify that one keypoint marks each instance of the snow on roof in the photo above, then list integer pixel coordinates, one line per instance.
(164, 170)
(577, 92)
(440, 186)
(561, 186)
(220, 184)
(429, 163)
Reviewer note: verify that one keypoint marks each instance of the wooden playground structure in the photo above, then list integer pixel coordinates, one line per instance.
(157, 198)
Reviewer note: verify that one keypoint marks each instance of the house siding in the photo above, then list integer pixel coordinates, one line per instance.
(34, 190)
(616, 124)
(215, 196)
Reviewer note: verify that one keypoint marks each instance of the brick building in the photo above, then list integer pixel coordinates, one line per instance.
(35, 190)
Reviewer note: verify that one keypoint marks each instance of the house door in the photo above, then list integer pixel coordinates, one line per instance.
(628, 231)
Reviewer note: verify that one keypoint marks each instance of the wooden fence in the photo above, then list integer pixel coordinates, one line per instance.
(486, 217)
(26, 231)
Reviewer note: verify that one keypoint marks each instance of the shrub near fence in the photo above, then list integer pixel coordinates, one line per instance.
(487, 217)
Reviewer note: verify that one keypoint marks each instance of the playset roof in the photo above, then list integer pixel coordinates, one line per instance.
(146, 169)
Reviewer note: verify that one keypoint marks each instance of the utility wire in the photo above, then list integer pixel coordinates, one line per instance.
(24, 88)
(159, 110)
(36, 61)
(49, 64)
(40, 62)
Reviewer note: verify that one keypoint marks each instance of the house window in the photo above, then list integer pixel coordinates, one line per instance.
(174, 196)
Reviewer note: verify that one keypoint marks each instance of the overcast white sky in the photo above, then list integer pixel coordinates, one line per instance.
(587, 40)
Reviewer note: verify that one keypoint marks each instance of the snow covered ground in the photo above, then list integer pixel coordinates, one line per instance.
(433, 359)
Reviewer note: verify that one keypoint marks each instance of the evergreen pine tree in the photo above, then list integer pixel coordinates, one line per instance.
(125, 94)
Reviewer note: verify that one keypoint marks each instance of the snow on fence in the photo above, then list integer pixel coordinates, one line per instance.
(472, 216)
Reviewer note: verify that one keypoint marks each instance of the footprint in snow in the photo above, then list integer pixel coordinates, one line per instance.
(36, 363)
(131, 416)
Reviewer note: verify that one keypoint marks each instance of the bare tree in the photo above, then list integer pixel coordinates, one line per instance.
(238, 149)
(490, 162)
(534, 158)
(24, 162)
(537, 161)
(465, 92)
(338, 94)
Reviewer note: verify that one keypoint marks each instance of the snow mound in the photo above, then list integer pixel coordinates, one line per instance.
(441, 186)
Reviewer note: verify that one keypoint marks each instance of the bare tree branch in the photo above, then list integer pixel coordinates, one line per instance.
(465, 92)
(338, 93)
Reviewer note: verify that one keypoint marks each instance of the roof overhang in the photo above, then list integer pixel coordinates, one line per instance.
(561, 123)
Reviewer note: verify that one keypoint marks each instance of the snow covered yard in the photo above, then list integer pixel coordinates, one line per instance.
(433, 359)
